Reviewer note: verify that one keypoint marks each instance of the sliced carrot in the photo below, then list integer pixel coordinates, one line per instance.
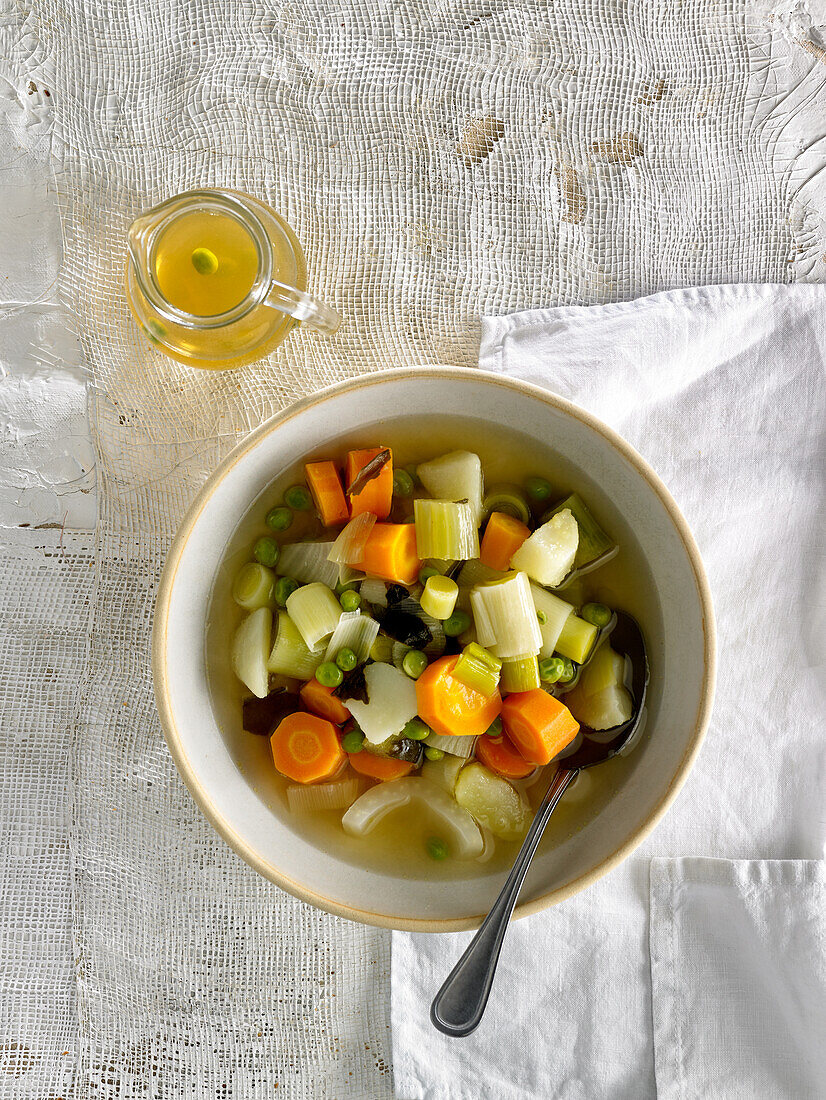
(503, 536)
(379, 767)
(501, 757)
(450, 707)
(538, 725)
(321, 701)
(390, 553)
(306, 748)
(377, 495)
(328, 494)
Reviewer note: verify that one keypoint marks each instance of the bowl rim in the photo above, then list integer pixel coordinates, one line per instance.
(238, 843)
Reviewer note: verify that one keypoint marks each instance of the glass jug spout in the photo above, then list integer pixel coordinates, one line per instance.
(303, 307)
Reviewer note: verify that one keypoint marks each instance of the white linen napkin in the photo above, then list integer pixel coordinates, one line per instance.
(722, 390)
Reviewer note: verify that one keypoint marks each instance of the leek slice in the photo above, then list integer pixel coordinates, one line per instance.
(443, 772)
(348, 549)
(354, 631)
(593, 541)
(461, 832)
(505, 617)
(290, 655)
(445, 529)
(492, 802)
(454, 476)
(457, 746)
(315, 611)
(250, 649)
(254, 586)
(311, 797)
(576, 639)
(520, 674)
(306, 562)
(392, 703)
(374, 591)
(556, 613)
(547, 556)
(508, 499)
(478, 669)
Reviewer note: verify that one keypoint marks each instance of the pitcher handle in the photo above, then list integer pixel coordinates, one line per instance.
(303, 307)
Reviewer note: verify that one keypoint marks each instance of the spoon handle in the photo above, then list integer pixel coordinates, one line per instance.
(459, 1005)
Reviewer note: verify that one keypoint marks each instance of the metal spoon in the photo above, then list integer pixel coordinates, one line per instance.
(459, 1005)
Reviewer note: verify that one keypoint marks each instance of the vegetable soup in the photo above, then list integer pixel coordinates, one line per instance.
(409, 632)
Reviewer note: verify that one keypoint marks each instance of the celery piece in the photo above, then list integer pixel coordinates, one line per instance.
(254, 586)
(315, 611)
(509, 499)
(547, 556)
(454, 476)
(290, 655)
(439, 597)
(478, 669)
(576, 639)
(505, 617)
(250, 647)
(593, 541)
(556, 613)
(492, 802)
(445, 529)
(521, 674)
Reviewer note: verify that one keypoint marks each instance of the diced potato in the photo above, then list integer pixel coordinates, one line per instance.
(548, 555)
(492, 802)
(608, 708)
(251, 649)
(392, 703)
(455, 476)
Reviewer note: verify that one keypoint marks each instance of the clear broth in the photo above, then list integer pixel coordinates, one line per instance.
(397, 845)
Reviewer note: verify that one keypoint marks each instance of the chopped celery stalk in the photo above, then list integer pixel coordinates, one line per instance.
(374, 591)
(354, 631)
(521, 674)
(290, 655)
(392, 703)
(505, 617)
(250, 649)
(478, 669)
(547, 556)
(439, 597)
(455, 476)
(456, 746)
(556, 613)
(593, 542)
(475, 572)
(509, 499)
(445, 529)
(348, 549)
(492, 802)
(309, 561)
(308, 798)
(254, 586)
(315, 611)
(443, 772)
(461, 833)
(576, 639)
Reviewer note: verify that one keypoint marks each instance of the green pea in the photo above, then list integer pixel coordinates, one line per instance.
(353, 741)
(349, 600)
(433, 754)
(402, 483)
(414, 663)
(568, 672)
(456, 624)
(597, 614)
(346, 659)
(494, 730)
(266, 551)
(284, 588)
(436, 848)
(204, 261)
(538, 488)
(541, 618)
(416, 730)
(427, 571)
(279, 518)
(551, 669)
(298, 498)
(328, 674)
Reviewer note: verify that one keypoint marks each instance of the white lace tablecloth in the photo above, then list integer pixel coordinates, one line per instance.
(438, 162)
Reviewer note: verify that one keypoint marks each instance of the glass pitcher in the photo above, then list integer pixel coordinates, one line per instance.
(217, 279)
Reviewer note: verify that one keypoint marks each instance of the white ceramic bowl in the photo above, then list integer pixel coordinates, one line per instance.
(680, 636)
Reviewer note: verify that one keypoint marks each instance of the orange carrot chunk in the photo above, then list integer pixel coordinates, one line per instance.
(376, 495)
(390, 553)
(501, 757)
(538, 725)
(328, 494)
(321, 701)
(306, 748)
(379, 767)
(450, 707)
(502, 538)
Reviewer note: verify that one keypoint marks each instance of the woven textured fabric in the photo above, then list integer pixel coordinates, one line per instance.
(438, 161)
